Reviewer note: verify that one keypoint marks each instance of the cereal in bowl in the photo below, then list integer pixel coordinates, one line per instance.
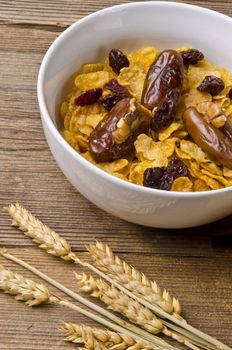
(157, 119)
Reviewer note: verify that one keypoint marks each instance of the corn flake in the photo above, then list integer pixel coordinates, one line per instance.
(166, 133)
(182, 184)
(92, 80)
(193, 151)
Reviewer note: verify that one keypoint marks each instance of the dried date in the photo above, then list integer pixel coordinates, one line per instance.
(117, 60)
(162, 88)
(162, 177)
(114, 137)
(213, 140)
(211, 84)
(191, 56)
(88, 97)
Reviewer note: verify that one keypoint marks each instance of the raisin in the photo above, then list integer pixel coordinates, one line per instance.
(114, 86)
(230, 93)
(191, 56)
(88, 97)
(177, 168)
(118, 60)
(212, 85)
(118, 93)
(155, 178)
(163, 177)
(109, 101)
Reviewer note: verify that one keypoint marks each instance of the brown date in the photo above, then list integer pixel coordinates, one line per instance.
(162, 88)
(114, 137)
(210, 138)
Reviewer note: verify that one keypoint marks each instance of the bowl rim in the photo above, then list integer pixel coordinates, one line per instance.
(45, 116)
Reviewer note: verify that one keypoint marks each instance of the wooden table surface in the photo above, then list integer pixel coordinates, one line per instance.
(193, 264)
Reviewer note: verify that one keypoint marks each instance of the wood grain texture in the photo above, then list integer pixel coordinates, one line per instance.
(193, 264)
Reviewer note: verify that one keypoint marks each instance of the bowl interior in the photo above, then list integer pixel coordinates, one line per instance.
(160, 24)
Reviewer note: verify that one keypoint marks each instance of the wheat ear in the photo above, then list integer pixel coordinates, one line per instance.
(120, 302)
(39, 233)
(111, 340)
(132, 279)
(128, 307)
(120, 326)
(82, 335)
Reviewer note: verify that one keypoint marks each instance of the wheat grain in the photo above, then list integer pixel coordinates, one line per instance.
(120, 302)
(111, 340)
(41, 234)
(132, 279)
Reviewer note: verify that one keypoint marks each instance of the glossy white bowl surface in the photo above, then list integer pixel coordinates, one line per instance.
(130, 26)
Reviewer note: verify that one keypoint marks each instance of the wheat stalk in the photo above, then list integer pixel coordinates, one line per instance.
(120, 326)
(120, 302)
(111, 340)
(41, 234)
(132, 279)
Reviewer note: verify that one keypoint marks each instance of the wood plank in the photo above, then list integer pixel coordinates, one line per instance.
(193, 264)
(64, 12)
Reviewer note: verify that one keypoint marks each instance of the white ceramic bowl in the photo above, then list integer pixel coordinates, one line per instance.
(161, 24)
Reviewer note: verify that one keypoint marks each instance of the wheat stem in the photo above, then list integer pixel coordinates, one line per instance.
(123, 325)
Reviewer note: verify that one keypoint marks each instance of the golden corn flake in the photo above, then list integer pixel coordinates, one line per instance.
(200, 185)
(92, 67)
(92, 80)
(133, 78)
(182, 184)
(193, 151)
(147, 149)
(94, 119)
(157, 148)
(166, 133)
(194, 97)
(227, 172)
(115, 166)
(220, 179)
(143, 57)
